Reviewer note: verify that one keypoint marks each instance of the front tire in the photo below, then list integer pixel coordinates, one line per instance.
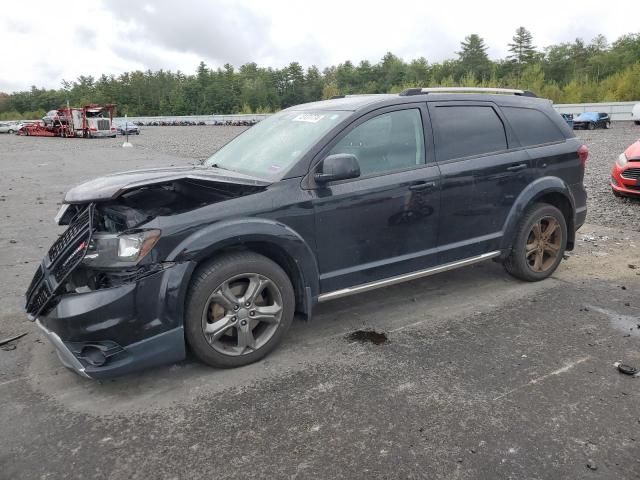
(239, 307)
(539, 245)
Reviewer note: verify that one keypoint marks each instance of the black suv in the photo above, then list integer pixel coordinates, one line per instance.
(316, 202)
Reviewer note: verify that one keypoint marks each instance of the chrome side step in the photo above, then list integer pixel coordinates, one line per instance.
(406, 277)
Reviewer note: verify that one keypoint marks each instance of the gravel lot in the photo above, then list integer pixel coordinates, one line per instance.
(192, 142)
(482, 376)
(605, 146)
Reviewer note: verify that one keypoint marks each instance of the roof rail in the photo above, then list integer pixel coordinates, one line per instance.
(512, 91)
(352, 95)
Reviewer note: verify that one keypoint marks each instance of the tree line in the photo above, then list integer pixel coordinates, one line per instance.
(570, 72)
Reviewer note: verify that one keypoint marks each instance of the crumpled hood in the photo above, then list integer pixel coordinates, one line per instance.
(112, 186)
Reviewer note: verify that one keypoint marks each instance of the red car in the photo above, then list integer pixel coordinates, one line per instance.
(625, 176)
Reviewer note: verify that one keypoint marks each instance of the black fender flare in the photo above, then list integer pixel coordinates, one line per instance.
(205, 242)
(535, 190)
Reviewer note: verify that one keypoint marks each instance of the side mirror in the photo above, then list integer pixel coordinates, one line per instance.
(340, 166)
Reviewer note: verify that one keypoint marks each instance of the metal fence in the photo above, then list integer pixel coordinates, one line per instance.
(207, 119)
(616, 110)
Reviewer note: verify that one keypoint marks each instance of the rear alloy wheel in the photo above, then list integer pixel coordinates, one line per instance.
(239, 308)
(539, 245)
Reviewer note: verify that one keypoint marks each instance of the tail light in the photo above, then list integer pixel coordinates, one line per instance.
(583, 155)
(93, 129)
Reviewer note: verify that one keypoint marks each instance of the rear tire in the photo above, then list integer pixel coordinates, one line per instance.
(539, 245)
(591, 126)
(239, 307)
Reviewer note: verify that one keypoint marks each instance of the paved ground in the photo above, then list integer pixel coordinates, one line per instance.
(482, 376)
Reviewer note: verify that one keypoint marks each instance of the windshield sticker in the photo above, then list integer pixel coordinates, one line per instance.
(308, 117)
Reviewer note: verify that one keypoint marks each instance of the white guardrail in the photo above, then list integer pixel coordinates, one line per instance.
(207, 119)
(616, 110)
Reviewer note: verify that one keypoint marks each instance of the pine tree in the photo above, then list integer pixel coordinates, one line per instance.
(473, 57)
(522, 49)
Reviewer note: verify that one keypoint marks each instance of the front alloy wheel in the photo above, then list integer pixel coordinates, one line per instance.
(242, 314)
(239, 307)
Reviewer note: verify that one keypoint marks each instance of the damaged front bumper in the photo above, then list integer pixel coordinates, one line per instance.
(64, 354)
(115, 331)
(107, 322)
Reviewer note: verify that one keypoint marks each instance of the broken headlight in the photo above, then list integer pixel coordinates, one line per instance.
(120, 250)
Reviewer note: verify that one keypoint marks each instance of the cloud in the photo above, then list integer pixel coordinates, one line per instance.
(85, 37)
(8, 85)
(114, 36)
(47, 70)
(145, 58)
(17, 26)
(219, 31)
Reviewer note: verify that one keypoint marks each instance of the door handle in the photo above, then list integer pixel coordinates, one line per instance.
(423, 186)
(517, 168)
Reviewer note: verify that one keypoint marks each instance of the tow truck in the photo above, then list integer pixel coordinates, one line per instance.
(88, 122)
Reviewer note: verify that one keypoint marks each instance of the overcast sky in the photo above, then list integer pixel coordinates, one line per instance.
(41, 43)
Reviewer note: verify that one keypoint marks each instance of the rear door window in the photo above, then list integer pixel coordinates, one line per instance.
(532, 127)
(467, 130)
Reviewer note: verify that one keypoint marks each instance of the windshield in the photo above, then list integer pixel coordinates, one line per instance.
(272, 146)
(97, 114)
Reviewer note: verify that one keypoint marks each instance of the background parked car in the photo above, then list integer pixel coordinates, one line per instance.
(128, 127)
(54, 116)
(568, 117)
(635, 114)
(625, 175)
(10, 127)
(591, 121)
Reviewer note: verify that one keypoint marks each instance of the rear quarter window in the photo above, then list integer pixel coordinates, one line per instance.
(467, 130)
(532, 127)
